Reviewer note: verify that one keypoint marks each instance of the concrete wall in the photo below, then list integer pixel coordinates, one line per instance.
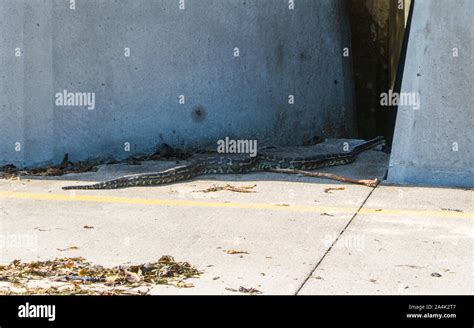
(434, 144)
(173, 52)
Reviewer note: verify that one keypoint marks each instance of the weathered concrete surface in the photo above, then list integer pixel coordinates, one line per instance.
(282, 225)
(400, 237)
(173, 52)
(433, 145)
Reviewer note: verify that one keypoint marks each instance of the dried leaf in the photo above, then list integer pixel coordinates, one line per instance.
(111, 279)
(233, 252)
(228, 187)
(72, 248)
(328, 190)
(182, 284)
(452, 210)
(132, 276)
(249, 290)
(326, 214)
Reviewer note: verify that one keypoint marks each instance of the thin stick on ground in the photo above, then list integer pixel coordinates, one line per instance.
(369, 183)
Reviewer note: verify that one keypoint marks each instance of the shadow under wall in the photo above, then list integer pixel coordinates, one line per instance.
(375, 57)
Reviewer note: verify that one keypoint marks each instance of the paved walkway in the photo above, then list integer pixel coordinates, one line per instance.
(302, 235)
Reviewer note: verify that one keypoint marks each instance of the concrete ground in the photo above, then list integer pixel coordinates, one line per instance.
(300, 236)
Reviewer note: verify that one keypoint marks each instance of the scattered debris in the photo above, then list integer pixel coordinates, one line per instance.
(233, 252)
(84, 278)
(66, 167)
(452, 210)
(436, 274)
(283, 205)
(72, 248)
(372, 280)
(64, 290)
(11, 172)
(228, 187)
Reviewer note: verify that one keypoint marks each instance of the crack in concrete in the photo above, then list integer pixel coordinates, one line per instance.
(334, 242)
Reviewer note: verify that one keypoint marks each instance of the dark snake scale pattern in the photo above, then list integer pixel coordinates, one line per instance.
(219, 164)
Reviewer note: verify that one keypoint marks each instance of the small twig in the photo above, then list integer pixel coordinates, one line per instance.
(368, 183)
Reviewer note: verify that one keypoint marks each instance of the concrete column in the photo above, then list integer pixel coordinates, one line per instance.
(434, 144)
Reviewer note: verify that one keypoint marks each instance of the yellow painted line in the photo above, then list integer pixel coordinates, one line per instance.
(260, 206)
(165, 202)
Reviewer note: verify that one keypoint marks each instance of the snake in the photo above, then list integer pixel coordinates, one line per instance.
(217, 164)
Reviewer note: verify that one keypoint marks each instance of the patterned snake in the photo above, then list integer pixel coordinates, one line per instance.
(229, 164)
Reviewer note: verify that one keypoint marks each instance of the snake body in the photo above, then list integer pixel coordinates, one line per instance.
(231, 165)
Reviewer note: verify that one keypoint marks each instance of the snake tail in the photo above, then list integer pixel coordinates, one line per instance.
(175, 174)
(367, 145)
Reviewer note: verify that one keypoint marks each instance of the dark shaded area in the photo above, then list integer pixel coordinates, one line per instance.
(371, 64)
